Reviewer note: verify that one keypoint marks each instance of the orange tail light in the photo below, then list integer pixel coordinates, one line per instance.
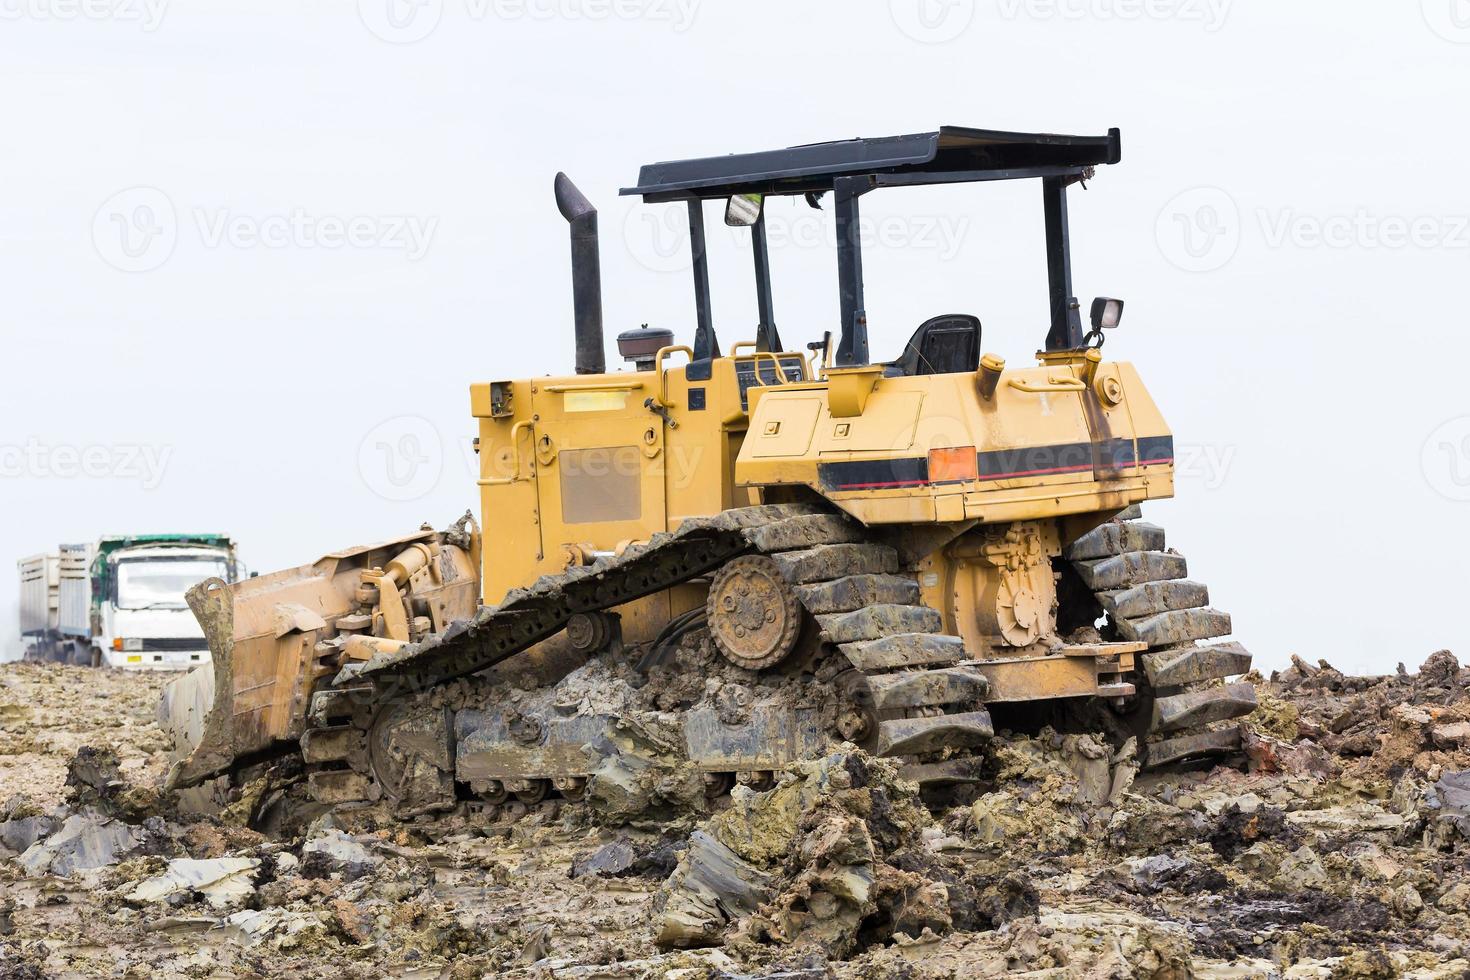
(953, 465)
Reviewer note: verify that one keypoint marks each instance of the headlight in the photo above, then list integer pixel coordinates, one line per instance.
(132, 644)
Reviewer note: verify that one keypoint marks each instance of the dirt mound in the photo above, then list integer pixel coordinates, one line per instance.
(1341, 850)
(835, 857)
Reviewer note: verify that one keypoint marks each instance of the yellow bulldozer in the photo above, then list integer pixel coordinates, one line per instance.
(801, 547)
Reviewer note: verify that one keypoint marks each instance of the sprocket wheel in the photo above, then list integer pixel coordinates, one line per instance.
(754, 615)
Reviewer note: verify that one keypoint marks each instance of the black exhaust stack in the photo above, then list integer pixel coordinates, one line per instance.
(586, 276)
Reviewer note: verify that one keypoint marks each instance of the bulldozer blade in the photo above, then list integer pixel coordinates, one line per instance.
(1202, 707)
(1171, 668)
(1132, 569)
(913, 736)
(263, 635)
(1176, 626)
(873, 622)
(1108, 540)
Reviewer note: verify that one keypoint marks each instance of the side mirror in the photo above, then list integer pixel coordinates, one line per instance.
(1106, 313)
(744, 210)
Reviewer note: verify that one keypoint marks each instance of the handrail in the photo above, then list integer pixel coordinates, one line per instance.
(601, 386)
(658, 367)
(775, 357)
(1052, 384)
(515, 448)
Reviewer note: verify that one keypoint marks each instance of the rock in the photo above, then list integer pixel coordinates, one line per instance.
(93, 777)
(1302, 869)
(21, 832)
(1406, 902)
(1451, 736)
(833, 857)
(711, 886)
(336, 852)
(84, 842)
(1302, 758)
(1451, 797)
(222, 881)
(643, 778)
(1151, 874)
(622, 858)
(1456, 898)
(251, 926)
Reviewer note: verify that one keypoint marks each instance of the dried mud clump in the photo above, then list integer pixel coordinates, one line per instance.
(833, 857)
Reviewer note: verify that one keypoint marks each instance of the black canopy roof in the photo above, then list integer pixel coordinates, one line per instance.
(952, 154)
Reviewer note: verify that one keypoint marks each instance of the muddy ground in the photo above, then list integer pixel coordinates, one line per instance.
(1341, 849)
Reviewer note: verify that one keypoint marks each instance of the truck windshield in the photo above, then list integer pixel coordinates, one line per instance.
(161, 583)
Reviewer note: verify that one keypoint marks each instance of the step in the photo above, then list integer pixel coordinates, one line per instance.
(829, 561)
(1202, 707)
(1152, 598)
(856, 591)
(1108, 540)
(926, 688)
(916, 736)
(876, 622)
(905, 650)
(1218, 742)
(1177, 626)
(1132, 569)
(805, 532)
(1169, 668)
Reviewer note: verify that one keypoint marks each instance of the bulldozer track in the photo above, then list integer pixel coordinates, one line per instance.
(1149, 598)
(908, 690)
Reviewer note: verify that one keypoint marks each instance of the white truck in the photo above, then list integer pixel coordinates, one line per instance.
(119, 602)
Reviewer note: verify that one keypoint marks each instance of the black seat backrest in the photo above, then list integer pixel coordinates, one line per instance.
(948, 344)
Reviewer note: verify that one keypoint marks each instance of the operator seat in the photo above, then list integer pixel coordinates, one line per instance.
(948, 344)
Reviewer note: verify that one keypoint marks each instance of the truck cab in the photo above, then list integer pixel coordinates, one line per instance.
(138, 618)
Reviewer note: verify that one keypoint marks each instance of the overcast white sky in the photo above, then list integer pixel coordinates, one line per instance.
(253, 254)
